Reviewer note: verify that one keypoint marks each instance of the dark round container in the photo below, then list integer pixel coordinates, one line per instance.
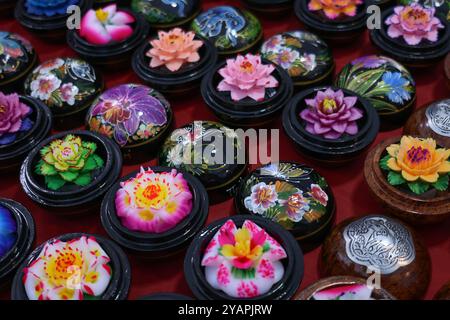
(184, 80)
(310, 61)
(12, 155)
(165, 296)
(385, 83)
(102, 3)
(424, 54)
(50, 28)
(229, 28)
(73, 199)
(345, 28)
(166, 14)
(75, 85)
(361, 246)
(141, 139)
(218, 178)
(292, 183)
(284, 289)
(120, 279)
(25, 237)
(269, 6)
(156, 245)
(330, 151)
(116, 54)
(7, 8)
(246, 112)
(17, 59)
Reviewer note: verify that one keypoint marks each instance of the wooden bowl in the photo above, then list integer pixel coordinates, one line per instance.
(431, 207)
(341, 282)
(379, 242)
(443, 293)
(432, 120)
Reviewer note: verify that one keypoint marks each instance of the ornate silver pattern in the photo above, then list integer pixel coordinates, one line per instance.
(379, 243)
(438, 116)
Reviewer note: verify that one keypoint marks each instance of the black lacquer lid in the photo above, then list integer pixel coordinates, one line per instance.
(300, 200)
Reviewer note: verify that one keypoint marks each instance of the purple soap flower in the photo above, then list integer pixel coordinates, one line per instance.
(13, 118)
(330, 114)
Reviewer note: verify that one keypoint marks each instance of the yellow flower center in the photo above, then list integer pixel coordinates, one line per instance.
(65, 268)
(415, 14)
(102, 16)
(173, 39)
(329, 105)
(153, 195)
(2, 109)
(247, 66)
(242, 248)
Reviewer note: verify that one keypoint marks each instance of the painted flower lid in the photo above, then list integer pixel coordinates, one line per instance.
(305, 56)
(181, 150)
(130, 114)
(231, 29)
(387, 84)
(17, 57)
(293, 195)
(65, 85)
(166, 13)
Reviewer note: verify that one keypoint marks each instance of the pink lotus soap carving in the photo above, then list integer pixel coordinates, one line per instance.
(330, 114)
(243, 262)
(105, 25)
(246, 76)
(173, 49)
(414, 23)
(348, 292)
(153, 202)
(13, 117)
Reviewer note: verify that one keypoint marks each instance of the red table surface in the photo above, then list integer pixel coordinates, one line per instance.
(351, 191)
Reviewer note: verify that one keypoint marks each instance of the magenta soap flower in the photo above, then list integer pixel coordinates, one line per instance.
(13, 117)
(330, 114)
(246, 76)
(105, 25)
(414, 23)
(153, 202)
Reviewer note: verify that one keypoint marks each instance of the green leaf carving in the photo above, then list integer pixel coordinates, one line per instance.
(418, 187)
(395, 178)
(383, 162)
(69, 175)
(442, 183)
(54, 182)
(83, 179)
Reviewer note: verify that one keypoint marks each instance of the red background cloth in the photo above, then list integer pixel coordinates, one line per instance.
(349, 186)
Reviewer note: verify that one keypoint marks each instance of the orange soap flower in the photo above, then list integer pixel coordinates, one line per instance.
(173, 49)
(417, 158)
(335, 8)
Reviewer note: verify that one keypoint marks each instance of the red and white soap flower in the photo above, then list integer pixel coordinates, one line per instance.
(243, 262)
(106, 25)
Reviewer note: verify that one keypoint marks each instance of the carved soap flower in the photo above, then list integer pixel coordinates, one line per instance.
(417, 163)
(414, 23)
(244, 262)
(153, 202)
(68, 160)
(72, 270)
(173, 49)
(349, 292)
(246, 76)
(48, 7)
(331, 114)
(14, 118)
(105, 25)
(8, 231)
(335, 8)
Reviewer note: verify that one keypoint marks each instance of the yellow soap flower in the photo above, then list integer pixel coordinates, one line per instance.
(417, 158)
